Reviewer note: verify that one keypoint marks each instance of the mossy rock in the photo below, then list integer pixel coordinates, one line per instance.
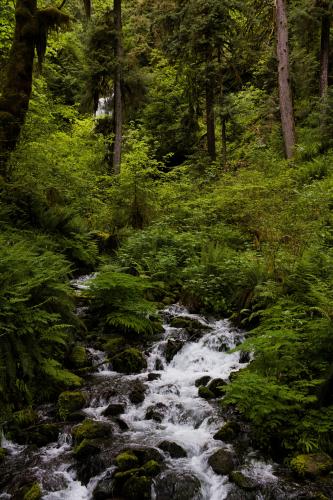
(33, 493)
(137, 488)
(85, 449)
(216, 387)
(189, 324)
(78, 357)
(202, 381)
(151, 468)
(312, 465)
(242, 481)
(24, 418)
(114, 345)
(42, 434)
(173, 346)
(129, 361)
(137, 394)
(91, 429)
(127, 460)
(69, 402)
(3, 454)
(228, 432)
(114, 409)
(205, 393)
(222, 462)
(156, 412)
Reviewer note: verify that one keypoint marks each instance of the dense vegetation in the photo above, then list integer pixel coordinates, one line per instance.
(205, 209)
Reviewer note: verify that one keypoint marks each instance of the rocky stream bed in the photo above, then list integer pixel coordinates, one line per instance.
(159, 434)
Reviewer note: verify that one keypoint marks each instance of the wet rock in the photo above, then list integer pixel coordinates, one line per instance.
(174, 450)
(137, 395)
(76, 417)
(127, 460)
(114, 409)
(312, 465)
(104, 489)
(238, 494)
(129, 361)
(228, 432)
(205, 393)
(222, 462)
(216, 387)
(91, 429)
(137, 488)
(202, 381)
(122, 424)
(30, 491)
(244, 357)
(151, 468)
(91, 466)
(176, 486)
(233, 376)
(146, 454)
(86, 449)
(69, 402)
(189, 324)
(173, 346)
(42, 435)
(158, 364)
(242, 481)
(156, 412)
(153, 376)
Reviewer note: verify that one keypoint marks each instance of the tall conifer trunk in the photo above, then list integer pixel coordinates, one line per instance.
(210, 102)
(324, 53)
(285, 94)
(16, 92)
(118, 101)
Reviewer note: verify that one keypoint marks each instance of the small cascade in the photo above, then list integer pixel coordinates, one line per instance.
(105, 107)
(180, 416)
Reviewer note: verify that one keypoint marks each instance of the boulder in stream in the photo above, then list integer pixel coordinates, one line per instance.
(130, 360)
(156, 412)
(228, 432)
(216, 387)
(312, 465)
(69, 402)
(174, 449)
(244, 357)
(137, 394)
(127, 460)
(30, 491)
(114, 409)
(172, 347)
(205, 393)
(176, 485)
(222, 462)
(242, 481)
(86, 449)
(91, 429)
(153, 376)
(189, 324)
(202, 381)
(78, 357)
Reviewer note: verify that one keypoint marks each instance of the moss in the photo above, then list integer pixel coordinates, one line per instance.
(114, 346)
(151, 468)
(33, 493)
(122, 476)
(312, 465)
(137, 488)
(43, 434)
(205, 393)
(69, 402)
(127, 460)
(86, 449)
(189, 324)
(91, 429)
(3, 453)
(129, 361)
(78, 357)
(242, 481)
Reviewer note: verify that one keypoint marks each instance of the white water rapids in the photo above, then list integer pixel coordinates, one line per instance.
(187, 419)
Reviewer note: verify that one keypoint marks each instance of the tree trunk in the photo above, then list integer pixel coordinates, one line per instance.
(223, 119)
(285, 94)
(324, 53)
(118, 104)
(16, 93)
(210, 101)
(224, 140)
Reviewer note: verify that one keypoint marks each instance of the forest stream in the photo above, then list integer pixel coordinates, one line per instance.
(158, 415)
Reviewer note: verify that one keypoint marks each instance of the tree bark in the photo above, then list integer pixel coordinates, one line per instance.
(118, 101)
(16, 92)
(285, 94)
(210, 102)
(223, 119)
(324, 53)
